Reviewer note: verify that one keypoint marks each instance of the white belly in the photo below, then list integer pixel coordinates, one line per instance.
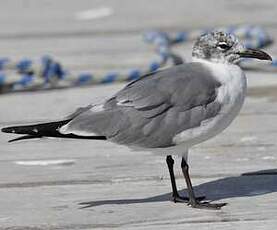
(231, 96)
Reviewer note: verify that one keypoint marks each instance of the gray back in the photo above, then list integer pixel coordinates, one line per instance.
(150, 111)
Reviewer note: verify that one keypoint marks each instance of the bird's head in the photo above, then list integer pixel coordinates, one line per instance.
(221, 47)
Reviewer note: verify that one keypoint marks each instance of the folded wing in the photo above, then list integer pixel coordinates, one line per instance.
(150, 111)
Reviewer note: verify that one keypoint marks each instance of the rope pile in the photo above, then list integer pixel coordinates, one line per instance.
(50, 74)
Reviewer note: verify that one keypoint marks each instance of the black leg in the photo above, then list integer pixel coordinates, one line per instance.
(175, 195)
(193, 201)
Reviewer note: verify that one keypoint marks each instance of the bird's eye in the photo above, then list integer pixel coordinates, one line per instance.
(223, 46)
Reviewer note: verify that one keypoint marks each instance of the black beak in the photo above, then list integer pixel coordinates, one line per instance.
(253, 53)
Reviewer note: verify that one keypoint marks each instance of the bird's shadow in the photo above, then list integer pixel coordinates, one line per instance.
(247, 184)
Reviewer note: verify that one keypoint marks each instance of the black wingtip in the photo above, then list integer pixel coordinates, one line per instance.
(49, 129)
(23, 138)
(8, 130)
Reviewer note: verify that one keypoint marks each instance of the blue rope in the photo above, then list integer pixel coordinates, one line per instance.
(23, 65)
(3, 62)
(135, 73)
(109, 78)
(2, 78)
(84, 78)
(51, 72)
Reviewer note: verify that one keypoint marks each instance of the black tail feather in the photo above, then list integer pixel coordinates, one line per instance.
(24, 138)
(43, 129)
(49, 129)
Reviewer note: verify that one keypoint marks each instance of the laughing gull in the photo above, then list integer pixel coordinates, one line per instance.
(167, 111)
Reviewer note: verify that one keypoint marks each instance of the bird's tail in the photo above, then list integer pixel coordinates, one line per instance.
(50, 129)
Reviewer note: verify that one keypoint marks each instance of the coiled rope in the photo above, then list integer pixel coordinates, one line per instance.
(50, 74)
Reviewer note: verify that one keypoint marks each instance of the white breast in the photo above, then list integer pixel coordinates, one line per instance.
(231, 96)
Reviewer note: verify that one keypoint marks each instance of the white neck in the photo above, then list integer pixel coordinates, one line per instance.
(213, 61)
(224, 72)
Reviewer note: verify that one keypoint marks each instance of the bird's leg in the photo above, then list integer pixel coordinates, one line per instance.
(193, 201)
(175, 195)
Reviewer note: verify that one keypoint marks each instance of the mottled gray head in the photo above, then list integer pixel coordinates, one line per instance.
(218, 46)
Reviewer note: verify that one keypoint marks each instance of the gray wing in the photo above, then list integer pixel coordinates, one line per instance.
(150, 111)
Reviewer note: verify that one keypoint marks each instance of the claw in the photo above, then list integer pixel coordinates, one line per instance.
(200, 198)
(183, 199)
(206, 205)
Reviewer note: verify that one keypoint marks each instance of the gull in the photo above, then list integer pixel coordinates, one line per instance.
(167, 111)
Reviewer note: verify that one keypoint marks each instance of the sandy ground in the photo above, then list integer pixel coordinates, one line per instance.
(43, 181)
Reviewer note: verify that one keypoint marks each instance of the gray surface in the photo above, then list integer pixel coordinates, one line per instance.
(130, 190)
